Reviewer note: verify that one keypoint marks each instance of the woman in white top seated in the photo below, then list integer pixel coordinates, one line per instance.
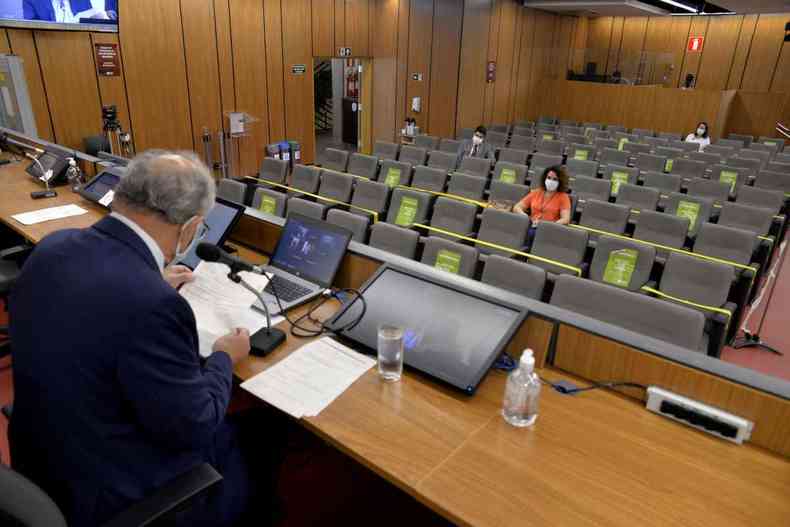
(700, 136)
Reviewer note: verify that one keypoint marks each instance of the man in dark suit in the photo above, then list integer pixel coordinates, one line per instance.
(112, 400)
(477, 146)
(67, 11)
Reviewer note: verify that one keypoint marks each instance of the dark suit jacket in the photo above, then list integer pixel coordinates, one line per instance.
(111, 397)
(484, 150)
(43, 10)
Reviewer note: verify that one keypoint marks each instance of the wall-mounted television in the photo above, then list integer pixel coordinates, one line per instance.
(79, 15)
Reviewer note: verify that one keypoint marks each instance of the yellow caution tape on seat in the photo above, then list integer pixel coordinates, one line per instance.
(529, 256)
(316, 196)
(719, 310)
(456, 197)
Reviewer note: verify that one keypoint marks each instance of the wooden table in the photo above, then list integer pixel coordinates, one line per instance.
(597, 458)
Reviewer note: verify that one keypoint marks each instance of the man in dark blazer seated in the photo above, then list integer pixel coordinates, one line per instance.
(68, 11)
(112, 400)
(477, 146)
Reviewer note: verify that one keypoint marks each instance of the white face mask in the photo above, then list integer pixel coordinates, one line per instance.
(197, 238)
(552, 185)
(700, 131)
(477, 140)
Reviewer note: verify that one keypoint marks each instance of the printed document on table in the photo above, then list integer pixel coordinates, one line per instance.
(310, 378)
(221, 305)
(49, 214)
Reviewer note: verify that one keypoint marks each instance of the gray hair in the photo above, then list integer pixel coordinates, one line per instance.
(177, 185)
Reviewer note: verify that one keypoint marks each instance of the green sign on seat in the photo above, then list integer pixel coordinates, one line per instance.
(406, 212)
(508, 175)
(449, 261)
(690, 210)
(618, 178)
(392, 178)
(620, 267)
(621, 144)
(581, 154)
(730, 177)
(268, 205)
(668, 165)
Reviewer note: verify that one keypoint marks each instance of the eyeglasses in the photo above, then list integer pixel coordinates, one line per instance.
(202, 230)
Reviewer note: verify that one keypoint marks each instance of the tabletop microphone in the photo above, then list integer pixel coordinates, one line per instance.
(212, 253)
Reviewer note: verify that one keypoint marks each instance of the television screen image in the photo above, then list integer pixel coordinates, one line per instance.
(71, 12)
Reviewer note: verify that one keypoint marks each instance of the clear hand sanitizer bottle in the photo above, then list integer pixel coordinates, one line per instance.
(522, 391)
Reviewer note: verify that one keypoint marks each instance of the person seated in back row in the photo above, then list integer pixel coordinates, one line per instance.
(700, 135)
(477, 146)
(550, 202)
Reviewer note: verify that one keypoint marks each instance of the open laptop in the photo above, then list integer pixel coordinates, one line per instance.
(220, 220)
(304, 262)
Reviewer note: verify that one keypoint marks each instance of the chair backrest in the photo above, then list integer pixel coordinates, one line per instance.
(386, 150)
(581, 152)
(512, 155)
(502, 192)
(454, 216)
(426, 178)
(546, 133)
(617, 175)
(646, 162)
(664, 182)
(735, 177)
(615, 128)
(560, 243)
(358, 225)
(394, 239)
(749, 153)
(306, 208)
(688, 168)
(643, 132)
(594, 126)
(686, 146)
(413, 155)
(371, 195)
(274, 170)
(706, 157)
(745, 162)
(394, 173)
(737, 144)
(475, 166)
(770, 149)
(638, 198)
(269, 201)
(363, 165)
(590, 188)
(771, 141)
(669, 152)
(605, 216)
(496, 139)
(714, 190)
(450, 146)
(442, 160)
(773, 181)
(637, 148)
(471, 187)
(514, 276)
(746, 217)
(231, 190)
(550, 147)
(655, 142)
(508, 229)
(428, 142)
(671, 136)
(612, 155)
(701, 281)
(521, 142)
(726, 243)
(450, 256)
(335, 159)
(622, 263)
(696, 209)
(547, 120)
(501, 128)
(629, 138)
(23, 503)
(576, 138)
(570, 129)
(544, 160)
(779, 167)
(335, 185)
(578, 167)
(601, 143)
(510, 173)
(782, 158)
(661, 228)
(305, 178)
(568, 122)
(465, 134)
(642, 314)
(721, 150)
(524, 131)
(759, 197)
(744, 139)
(408, 207)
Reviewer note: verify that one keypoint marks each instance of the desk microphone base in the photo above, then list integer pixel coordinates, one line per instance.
(265, 341)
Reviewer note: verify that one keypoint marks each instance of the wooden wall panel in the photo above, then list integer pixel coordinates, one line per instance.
(71, 86)
(472, 77)
(297, 49)
(578, 49)
(721, 40)
(384, 29)
(516, 64)
(156, 78)
(249, 59)
(524, 103)
(5, 45)
(781, 82)
(693, 59)
(402, 103)
(615, 44)
(112, 90)
(357, 27)
(445, 57)
(599, 37)
(764, 52)
(384, 46)
(227, 78)
(200, 45)
(323, 13)
(756, 113)
(494, 24)
(23, 45)
(633, 41)
(273, 35)
(745, 37)
(340, 26)
(507, 62)
(419, 61)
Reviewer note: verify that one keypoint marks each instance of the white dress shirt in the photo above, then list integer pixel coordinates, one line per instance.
(156, 251)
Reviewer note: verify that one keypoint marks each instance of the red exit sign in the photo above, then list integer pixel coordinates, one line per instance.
(695, 43)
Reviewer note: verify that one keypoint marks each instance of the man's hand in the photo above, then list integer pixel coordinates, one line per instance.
(177, 275)
(236, 344)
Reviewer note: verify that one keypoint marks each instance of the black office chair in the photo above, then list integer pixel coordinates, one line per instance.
(22, 502)
(10, 267)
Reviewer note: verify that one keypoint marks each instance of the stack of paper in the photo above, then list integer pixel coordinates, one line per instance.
(221, 305)
(51, 213)
(309, 379)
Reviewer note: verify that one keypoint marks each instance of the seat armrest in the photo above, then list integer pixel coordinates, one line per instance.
(15, 252)
(168, 498)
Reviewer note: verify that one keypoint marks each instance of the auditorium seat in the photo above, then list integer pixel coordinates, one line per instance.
(560, 243)
(336, 186)
(697, 209)
(454, 216)
(604, 216)
(650, 162)
(737, 144)
(450, 256)
(269, 201)
(231, 190)
(637, 198)
(541, 162)
(578, 167)
(519, 142)
(386, 150)
(655, 142)
(778, 167)
(471, 187)
(745, 162)
(714, 190)
(778, 141)
(688, 168)
(612, 156)
(604, 266)
(450, 146)
(335, 159)
(358, 225)
(413, 155)
(725, 243)
(475, 166)
(509, 193)
(576, 138)
(759, 197)
(616, 128)
(500, 128)
(510, 173)
(432, 179)
(724, 151)
(643, 132)
(546, 120)
(370, 195)
(629, 138)
(581, 152)
(394, 173)
(686, 147)
(594, 126)
(637, 148)
(662, 229)
(600, 144)
(394, 239)
(706, 157)
(508, 229)
(442, 160)
(746, 217)
(514, 276)
(773, 181)
(306, 208)
(305, 178)
(275, 170)
(363, 165)
(671, 136)
(428, 142)
(568, 122)
(408, 207)
(523, 131)
(745, 140)
(783, 158)
(616, 175)
(670, 153)
(736, 177)
(546, 133)
(678, 325)
(465, 134)
(664, 183)
(587, 188)
(550, 147)
(748, 153)
(512, 155)
(568, 129)
(497, 139)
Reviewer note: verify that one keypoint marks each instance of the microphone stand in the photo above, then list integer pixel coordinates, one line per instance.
(267, 339)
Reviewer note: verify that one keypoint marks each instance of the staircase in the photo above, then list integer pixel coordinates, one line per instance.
(323, 96)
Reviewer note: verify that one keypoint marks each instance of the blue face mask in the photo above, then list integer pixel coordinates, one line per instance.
(201, 232)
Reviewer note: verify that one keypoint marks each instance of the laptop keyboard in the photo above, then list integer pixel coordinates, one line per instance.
(287, 291)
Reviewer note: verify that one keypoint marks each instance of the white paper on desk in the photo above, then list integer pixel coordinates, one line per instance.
(48, 214)
(221, 305)
(310, 378)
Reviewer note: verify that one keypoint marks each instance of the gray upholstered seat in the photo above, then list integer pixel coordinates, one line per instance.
(501, 128)
(735, 177)
(500, 227)
(336, 159)
(465, 134)
(306, 208)
(471, 187)
(521, 143)
(454, 216)
(586, 188)
(518, 277)
(305, 178)
(616, 175)
(502, 192)
(394, 173)
(778, 141)
(688, 168)
(663, 229)
(714, 190)
(697, 209)
(510, 173)
(450, 256)
(773, 181)
(336, 186)
(269, 201)
(779, 166)
(231, 190)
(358, 225)
(275, 170)
(581, 152)
(442, 160)
(386, 150)
(759, 197)
(638, 198)
(727, 243)
(622, 263)
(642, 132)
(497, 139)
(362, 165)
(723, 151)
(650, 162)
(745, 162)
(613, 156)
(514, 155)
(451, 146)
(550, 147)
(749, 153)
(428, 142)
(426, 178)
(541, 162)
(560, 243)
(579, 167)
(475, 166)
(370, 195)
(743, 140)
(603, 216)
(394, 239)
(709, 158)
(665, 183)
(672, 136)
(408, 207)
(746, 217)
(413, 155)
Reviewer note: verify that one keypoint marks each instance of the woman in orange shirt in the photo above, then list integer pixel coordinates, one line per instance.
(548, 203)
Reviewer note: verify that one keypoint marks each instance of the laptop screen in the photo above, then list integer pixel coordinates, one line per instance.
(310, 249)
(220, 220)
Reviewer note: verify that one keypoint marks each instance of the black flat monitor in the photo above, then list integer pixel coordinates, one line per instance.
(220, 221)
(452, 332)
(97, 188)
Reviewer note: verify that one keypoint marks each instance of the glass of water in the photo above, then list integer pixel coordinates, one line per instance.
(390, 352)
